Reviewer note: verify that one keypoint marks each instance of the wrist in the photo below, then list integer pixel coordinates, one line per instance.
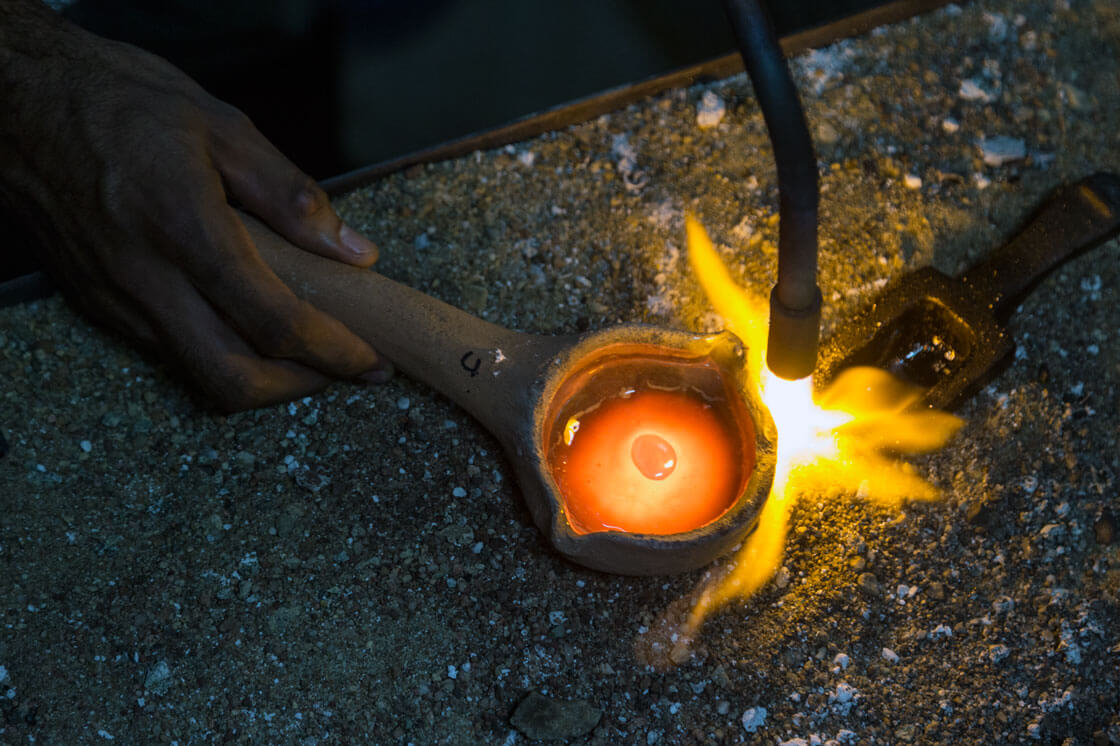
(35, 43)
(29, 28)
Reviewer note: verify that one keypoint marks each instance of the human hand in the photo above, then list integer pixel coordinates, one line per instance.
(127, 170)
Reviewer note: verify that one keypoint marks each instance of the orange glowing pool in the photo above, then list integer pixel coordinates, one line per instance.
(650, 462)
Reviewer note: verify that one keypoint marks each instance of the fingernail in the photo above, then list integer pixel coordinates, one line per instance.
(362, 248)
(377, 375)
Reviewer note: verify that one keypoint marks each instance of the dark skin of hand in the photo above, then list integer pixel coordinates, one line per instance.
(128, 172)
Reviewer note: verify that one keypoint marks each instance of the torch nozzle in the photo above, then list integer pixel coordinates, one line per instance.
(791, 346)
(795, 304)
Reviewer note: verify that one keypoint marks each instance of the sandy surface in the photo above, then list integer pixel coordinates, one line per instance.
(358, 567)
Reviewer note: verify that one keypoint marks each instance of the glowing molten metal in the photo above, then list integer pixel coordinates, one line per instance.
(649, 462)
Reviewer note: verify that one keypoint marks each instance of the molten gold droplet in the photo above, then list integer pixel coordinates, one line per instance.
(653, 456)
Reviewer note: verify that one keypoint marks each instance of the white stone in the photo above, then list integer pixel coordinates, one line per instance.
(754, 718)
(710, 110)
(970, 90)
(158, 678)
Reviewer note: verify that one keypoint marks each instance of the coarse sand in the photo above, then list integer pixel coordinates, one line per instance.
(358, 567)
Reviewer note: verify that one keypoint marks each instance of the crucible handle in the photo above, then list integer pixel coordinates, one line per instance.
(1074, 219)
(484, 368)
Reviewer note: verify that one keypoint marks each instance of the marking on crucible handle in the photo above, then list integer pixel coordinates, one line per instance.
(467, 366)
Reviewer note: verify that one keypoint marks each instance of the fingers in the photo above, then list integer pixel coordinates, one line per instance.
(86, 287)
(118, 314)
(174, 319)
(189, 335)
(271, 187)
(221, 260)
(232, 374)
(129, 170)
(201, 345)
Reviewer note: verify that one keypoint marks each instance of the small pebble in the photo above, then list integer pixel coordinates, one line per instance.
(710, 110)
(753, 719)
(1076, 98)
(541, 717)
(403, 403)
(940, 631)
(997, 653)
(998, 151)
(1104, 530)
(159, 678)
(970, 90)
(826, 134)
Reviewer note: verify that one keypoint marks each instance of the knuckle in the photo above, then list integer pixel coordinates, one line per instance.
(308, 198)
(229, 127)
(281, 335)
(230, 116)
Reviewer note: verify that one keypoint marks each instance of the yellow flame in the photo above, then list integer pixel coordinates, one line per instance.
(848, 439)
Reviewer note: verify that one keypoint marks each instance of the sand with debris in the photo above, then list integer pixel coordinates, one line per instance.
(357, 566)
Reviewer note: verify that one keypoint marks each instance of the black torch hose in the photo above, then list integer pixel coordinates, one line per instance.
(795, 303)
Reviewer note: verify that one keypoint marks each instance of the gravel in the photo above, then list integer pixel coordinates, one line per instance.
(310, 573)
